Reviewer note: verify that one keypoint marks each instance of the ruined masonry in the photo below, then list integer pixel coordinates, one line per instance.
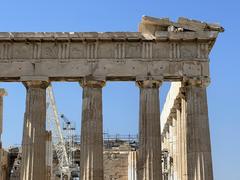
(161, 51)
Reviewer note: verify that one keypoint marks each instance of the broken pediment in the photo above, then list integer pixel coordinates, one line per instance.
(152, 25)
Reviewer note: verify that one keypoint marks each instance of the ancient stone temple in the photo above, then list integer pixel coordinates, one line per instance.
(161, 51)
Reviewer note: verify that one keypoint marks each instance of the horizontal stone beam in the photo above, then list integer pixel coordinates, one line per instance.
(115, 56)
(106, 36)
(125, 70)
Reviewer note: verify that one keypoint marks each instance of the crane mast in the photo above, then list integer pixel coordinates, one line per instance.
(69, 132)
(58, 139)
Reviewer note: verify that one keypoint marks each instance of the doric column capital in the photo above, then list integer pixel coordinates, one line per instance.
(148, 83)
(36, 84)
(92, 83)
(202, 82)
(3, 92)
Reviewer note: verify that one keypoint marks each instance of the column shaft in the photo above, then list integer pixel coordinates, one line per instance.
(34, 133)
(2, 159)
(149, 160)
(183, 140)
(92, 132)
(179, 152)
(49, 155)
(174, 149)
(198, 145)
(1, 119)
(2, 93)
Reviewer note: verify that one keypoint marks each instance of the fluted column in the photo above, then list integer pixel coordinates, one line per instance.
(178, 150)
(149, 159)
(91, 163)
(198, 145)
(184, 136)
(2, 165)
(132, 163)
(2, 93)
(49, 154)
(174, 142)
(34, 133)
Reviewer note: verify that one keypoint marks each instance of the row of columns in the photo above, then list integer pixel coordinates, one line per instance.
(193, 139)
(34, 134)
(149, 158)
(190, 145)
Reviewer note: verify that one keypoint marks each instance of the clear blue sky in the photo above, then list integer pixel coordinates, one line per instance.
(121, 99)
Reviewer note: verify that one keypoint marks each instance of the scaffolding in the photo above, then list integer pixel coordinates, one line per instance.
(69, 134)
(58, 142)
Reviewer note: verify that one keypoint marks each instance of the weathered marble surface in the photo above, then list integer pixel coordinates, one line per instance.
(198, 145)
(149, 157)
(186, 114)
(3, 153)
(92, 131)
(162, 49)
(2, 94)
(34, 165)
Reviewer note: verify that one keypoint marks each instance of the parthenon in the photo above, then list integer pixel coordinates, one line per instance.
(162, 50)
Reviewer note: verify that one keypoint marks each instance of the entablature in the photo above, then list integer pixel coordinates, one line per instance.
(164, 52)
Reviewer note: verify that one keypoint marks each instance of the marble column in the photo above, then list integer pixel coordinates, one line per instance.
(181, 142)
(178, 150)
(91, 164)
(171, 152)
(132, 164)
(2, 163)
(34, 133)
(197, 146)
(49, 154)
(2, 93)
(149, 159)
(174, 141)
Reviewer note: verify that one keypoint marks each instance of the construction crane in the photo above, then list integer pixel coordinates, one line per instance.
(69, 132)
(58, 139)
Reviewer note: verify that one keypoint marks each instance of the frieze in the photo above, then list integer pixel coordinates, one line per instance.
(116, 56)
(104, 50)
